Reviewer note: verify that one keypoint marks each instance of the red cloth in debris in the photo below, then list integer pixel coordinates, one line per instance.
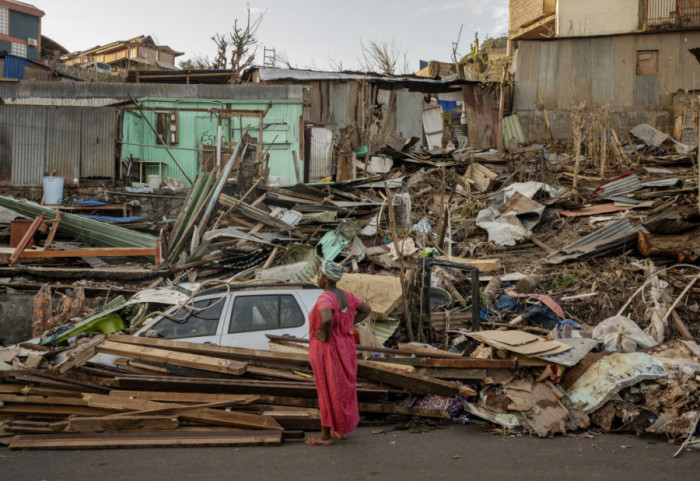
(335, 364)
(546, 300)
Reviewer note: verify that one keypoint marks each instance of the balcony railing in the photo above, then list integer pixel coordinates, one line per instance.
(660, 15)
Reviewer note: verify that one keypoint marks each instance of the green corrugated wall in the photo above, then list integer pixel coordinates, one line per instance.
(281, 125)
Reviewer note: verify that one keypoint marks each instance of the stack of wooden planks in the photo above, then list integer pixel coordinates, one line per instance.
(157, 392)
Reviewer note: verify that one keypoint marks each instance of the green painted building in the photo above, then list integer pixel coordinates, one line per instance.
(189, 125)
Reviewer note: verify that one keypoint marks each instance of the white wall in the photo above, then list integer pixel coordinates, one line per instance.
(578, 18)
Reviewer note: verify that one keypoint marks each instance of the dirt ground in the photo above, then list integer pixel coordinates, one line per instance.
(455, 452)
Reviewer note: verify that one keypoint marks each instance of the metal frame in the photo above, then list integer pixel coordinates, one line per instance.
(424, 271)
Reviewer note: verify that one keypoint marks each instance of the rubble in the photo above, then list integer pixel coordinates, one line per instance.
(588, 256)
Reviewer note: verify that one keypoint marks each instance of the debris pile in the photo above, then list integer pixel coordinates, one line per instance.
(545, 277)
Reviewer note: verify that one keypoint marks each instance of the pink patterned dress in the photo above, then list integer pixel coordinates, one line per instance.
(335, 364)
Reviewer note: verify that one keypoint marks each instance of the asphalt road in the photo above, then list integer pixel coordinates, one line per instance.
(455, 453)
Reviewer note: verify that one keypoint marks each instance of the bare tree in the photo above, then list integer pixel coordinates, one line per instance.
(221, 51)
(243, 43)
(336, 65)
(197, 62)
(383, 56)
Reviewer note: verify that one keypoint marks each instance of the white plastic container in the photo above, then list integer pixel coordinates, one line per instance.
(53, 190)
(153, 181)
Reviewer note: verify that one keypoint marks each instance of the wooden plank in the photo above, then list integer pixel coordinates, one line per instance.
(51, 410)
(174, 358)
(80, 355)
(146, 440)
(121, 424)
(469, 363)
(216, 351)
(484, 265)
(28, 235)
(188, 397)
(54, 228)
(200, 415)
(416, 383)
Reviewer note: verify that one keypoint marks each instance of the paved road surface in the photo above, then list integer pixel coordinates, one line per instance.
(454, 453)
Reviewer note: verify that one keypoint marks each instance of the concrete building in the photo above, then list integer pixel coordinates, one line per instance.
(630, 55)
(135, 53)
(20, 29)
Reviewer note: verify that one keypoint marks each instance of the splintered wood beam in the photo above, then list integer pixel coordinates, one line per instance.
(54, 229)
(145, 440)
(24, 242)
(174, 358)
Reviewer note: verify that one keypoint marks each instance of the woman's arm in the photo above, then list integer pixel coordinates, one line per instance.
(362, 313)
(324, 334)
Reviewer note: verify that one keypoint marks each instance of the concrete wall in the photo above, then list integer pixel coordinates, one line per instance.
(523, 12)
(24, 26)
(16, 312)
(622, 120)
(576, 18)
(602, 71)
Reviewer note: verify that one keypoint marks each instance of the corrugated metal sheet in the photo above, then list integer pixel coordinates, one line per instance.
(28, 143)
(321, 154)
(527, 75)
(14, 67)
(408, 114)
(607, 239)
(118, 92)
(624, 55)
(512, 130)
(602, 71)
(625, 185)
(37, 139)
(339, 94)
(432, 124)
(649, 134)
(646, 91)
(63, 129)
(97, 143)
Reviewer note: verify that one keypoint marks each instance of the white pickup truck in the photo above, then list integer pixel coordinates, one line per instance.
(238, 317)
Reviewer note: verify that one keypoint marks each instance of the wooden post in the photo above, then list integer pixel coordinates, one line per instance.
(501, 108)
(402, 271)
(296, 167)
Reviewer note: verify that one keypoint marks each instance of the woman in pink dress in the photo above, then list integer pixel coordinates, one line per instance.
(332, 355)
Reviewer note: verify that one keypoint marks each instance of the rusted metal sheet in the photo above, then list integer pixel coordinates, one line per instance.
(610, 375)
(481, 110)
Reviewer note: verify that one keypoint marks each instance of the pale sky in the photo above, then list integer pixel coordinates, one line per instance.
(312, 33)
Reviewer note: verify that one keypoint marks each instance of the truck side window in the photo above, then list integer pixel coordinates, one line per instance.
(198, 318)
(261, 313)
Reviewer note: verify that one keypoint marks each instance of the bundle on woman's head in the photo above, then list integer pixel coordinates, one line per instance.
(332, 271)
